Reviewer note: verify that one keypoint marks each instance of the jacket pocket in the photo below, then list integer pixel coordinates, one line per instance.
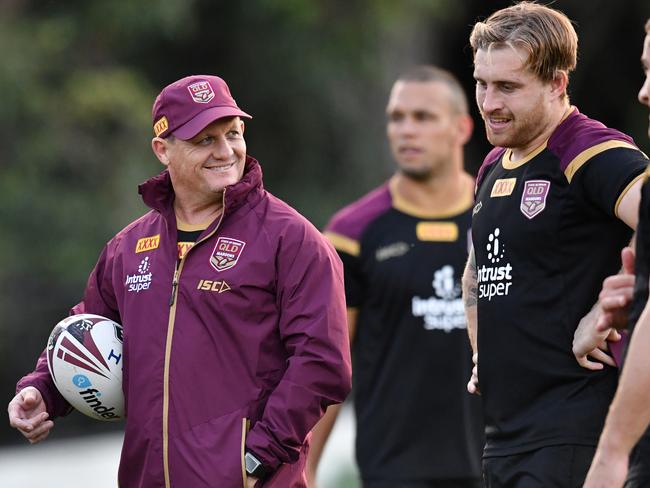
(209, 455)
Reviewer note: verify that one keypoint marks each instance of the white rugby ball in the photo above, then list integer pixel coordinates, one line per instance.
(84, 356)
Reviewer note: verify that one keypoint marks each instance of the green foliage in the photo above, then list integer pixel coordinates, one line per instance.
(74, 137)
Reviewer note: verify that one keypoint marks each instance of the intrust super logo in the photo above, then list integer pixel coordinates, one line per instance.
(142, 279)
(445, 310)
(494, 281)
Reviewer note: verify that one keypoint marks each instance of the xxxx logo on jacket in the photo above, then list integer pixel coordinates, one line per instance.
(226, 253)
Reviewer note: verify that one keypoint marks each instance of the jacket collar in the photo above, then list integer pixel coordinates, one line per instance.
(158, 193)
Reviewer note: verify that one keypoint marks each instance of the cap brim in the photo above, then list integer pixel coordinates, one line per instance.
(205, 118)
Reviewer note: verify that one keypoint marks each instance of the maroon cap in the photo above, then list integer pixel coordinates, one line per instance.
(188, 105)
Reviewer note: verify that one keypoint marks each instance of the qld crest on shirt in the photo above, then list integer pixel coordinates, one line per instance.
(226, 253)
(533, 199)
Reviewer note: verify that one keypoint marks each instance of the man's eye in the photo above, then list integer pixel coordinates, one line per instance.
(425, 116)
(206, 141)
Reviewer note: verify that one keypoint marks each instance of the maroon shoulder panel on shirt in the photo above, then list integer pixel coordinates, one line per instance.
(492, 157)
(351, 221)
(577, 133)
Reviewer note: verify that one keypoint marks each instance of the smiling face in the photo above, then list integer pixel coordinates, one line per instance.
(520, 110)
(200, 168)
(423, 127)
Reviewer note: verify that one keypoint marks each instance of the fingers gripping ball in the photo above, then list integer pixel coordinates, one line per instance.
(84, 356)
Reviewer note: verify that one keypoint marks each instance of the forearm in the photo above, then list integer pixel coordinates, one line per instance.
(629, 415)
(470, 299)
(319, 436)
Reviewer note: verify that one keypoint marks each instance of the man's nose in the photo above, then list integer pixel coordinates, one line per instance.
(221, 149)
(490, 100)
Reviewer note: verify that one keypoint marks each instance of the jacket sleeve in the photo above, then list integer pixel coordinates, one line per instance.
(313, 328)
(98, 299)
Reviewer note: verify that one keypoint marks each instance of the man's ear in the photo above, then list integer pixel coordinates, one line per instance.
(559, 84)
(465, 125)
(160, 148)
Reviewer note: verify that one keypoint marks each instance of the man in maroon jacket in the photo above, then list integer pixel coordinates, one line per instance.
(222, 383)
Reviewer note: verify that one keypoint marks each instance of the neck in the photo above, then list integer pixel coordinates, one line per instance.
(195, 213)
(436, 194)
(560, 112)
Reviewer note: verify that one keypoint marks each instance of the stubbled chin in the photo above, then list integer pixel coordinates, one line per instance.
(494, 139)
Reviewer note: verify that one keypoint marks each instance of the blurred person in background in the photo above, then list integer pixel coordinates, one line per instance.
(556, 201)
(403, 247)
(238, 343)
(623, 440)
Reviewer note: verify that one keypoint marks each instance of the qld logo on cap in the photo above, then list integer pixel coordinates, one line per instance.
(201, 91)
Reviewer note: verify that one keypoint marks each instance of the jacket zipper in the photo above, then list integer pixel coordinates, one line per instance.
(244, 430)
(175, 283)
(168, 345)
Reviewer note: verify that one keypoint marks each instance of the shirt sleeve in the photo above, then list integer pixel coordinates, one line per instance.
(603, 178)
(354, 285)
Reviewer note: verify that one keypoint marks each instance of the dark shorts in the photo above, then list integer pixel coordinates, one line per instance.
(458, 483)
(549, 467)
(637, 483)
(639, 473)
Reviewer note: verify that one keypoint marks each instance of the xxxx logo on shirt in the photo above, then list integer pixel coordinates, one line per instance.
(226, 253)
(183, 248)
(503, 187)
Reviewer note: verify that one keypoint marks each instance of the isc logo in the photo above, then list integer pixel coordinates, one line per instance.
(209, 285)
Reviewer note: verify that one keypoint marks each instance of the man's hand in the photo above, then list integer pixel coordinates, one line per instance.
(589, 342)
(608, 470)
(251, 481)
(617, 294)
(27, 414)
(610, 313)
(472, 384)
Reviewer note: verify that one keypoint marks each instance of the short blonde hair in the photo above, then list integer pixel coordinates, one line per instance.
(545, 33)
(429, 73)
